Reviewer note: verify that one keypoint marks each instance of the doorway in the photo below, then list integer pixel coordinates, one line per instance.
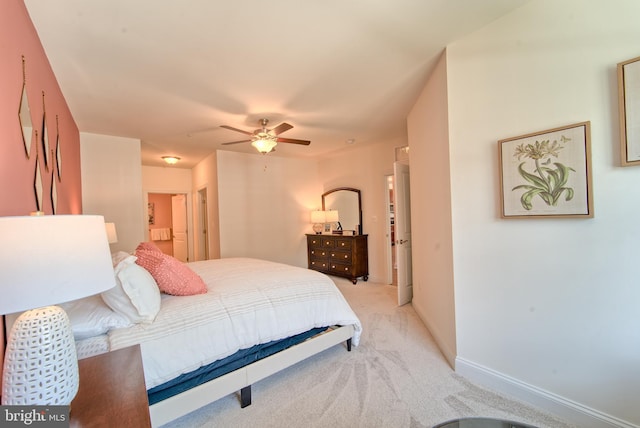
(392, 263)
(167, 218)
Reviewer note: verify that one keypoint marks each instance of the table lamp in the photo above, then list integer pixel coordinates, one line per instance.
(318, 220)
(112, 235)
(45, 260)
(334, 217)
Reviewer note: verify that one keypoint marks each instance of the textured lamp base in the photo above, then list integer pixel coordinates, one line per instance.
(40, 363)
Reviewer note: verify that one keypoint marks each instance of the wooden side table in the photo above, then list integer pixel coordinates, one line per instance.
(112, 392)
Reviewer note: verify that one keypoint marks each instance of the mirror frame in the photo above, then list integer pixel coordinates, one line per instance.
(348, 189)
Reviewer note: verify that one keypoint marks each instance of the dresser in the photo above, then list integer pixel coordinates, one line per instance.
(339, 255)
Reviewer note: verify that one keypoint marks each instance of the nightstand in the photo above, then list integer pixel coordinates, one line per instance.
(112, 392)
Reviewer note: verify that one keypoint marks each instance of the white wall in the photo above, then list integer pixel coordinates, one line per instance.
(547, 306)
(432, 244)
(111, 185)
(264, 205)
(169, 180)
(205, 176)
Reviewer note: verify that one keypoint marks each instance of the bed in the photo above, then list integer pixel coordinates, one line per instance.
(254, 319)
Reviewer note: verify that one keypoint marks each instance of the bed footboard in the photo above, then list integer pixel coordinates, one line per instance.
(242, 378)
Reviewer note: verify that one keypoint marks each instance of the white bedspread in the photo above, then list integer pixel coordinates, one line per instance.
(248, 302)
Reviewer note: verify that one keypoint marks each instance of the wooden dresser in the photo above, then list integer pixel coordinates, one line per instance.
(339, 255)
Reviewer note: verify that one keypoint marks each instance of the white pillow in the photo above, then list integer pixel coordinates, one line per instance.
(90, 317)
(136, 294)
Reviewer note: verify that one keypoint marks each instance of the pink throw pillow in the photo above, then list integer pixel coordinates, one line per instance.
(148, 246)
(173, 276)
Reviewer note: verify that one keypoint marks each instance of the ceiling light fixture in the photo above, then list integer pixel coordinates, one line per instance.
(171, 160)
(265, 143)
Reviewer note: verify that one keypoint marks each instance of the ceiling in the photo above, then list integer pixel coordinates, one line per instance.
(170, 73)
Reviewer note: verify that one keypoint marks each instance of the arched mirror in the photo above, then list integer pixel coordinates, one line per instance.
(348, 203)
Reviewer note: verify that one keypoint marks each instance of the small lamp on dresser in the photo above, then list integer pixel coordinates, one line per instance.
(318, 219)
(334, 218)
(45, 260)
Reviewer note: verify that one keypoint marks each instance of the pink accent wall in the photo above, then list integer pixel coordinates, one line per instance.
(17, 172)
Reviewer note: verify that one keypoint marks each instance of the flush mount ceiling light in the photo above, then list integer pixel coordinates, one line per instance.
(171, 160)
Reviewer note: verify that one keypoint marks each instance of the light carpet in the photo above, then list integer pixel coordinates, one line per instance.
(396, 377)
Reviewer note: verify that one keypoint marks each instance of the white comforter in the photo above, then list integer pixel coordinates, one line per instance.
(248, 302)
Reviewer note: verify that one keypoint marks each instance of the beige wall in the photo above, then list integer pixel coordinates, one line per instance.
(112, 185)
(546, 309)
(433, 286)
(365, 168)
(264, 206)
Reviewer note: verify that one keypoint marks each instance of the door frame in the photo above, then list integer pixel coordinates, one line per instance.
(202, 230)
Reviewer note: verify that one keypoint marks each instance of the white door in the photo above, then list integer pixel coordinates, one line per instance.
(179, 225)
(402, 217)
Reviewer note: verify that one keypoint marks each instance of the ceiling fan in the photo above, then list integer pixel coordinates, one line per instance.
(265, 140)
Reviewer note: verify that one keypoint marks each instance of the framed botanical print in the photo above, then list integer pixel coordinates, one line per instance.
(547, 173)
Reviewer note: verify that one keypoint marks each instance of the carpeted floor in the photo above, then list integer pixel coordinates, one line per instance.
(395, 378)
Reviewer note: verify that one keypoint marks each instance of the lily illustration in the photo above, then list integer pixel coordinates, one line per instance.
(546, 182)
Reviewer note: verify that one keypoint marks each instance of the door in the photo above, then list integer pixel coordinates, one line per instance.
(402, 229)
(179, 225)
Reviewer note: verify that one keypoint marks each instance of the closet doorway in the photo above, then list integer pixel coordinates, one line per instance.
(167, 216)
(392, 263)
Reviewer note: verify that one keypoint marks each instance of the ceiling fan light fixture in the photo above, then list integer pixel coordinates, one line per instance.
(171, 160)
(264, 145)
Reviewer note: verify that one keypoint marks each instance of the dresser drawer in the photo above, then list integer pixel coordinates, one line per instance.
(321, 265)
(314, 242)
(328, 242)
(342, 244)
(339, 269)
(340, 256)
(318, 253)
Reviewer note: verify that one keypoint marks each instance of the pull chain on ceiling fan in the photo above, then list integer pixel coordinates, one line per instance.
(265, 140)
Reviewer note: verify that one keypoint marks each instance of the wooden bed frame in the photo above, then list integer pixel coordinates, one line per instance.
(242, 378)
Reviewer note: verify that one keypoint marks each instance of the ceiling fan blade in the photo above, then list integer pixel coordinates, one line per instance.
(293, 141)
(236, 129)
(281, 128)
(236, 142)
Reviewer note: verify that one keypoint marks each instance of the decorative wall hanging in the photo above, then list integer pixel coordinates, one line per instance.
(547, 173)
(24, 114)
(37, 183)
(58, 151)
(629, 107)
(44, 136)
(54, 196)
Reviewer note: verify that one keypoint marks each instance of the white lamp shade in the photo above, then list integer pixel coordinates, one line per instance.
(112, 236)
(264, 145)
(318, 217)
(332, 216)
(45, 260)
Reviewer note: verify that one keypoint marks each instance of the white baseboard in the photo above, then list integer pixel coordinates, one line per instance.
(576, 413)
